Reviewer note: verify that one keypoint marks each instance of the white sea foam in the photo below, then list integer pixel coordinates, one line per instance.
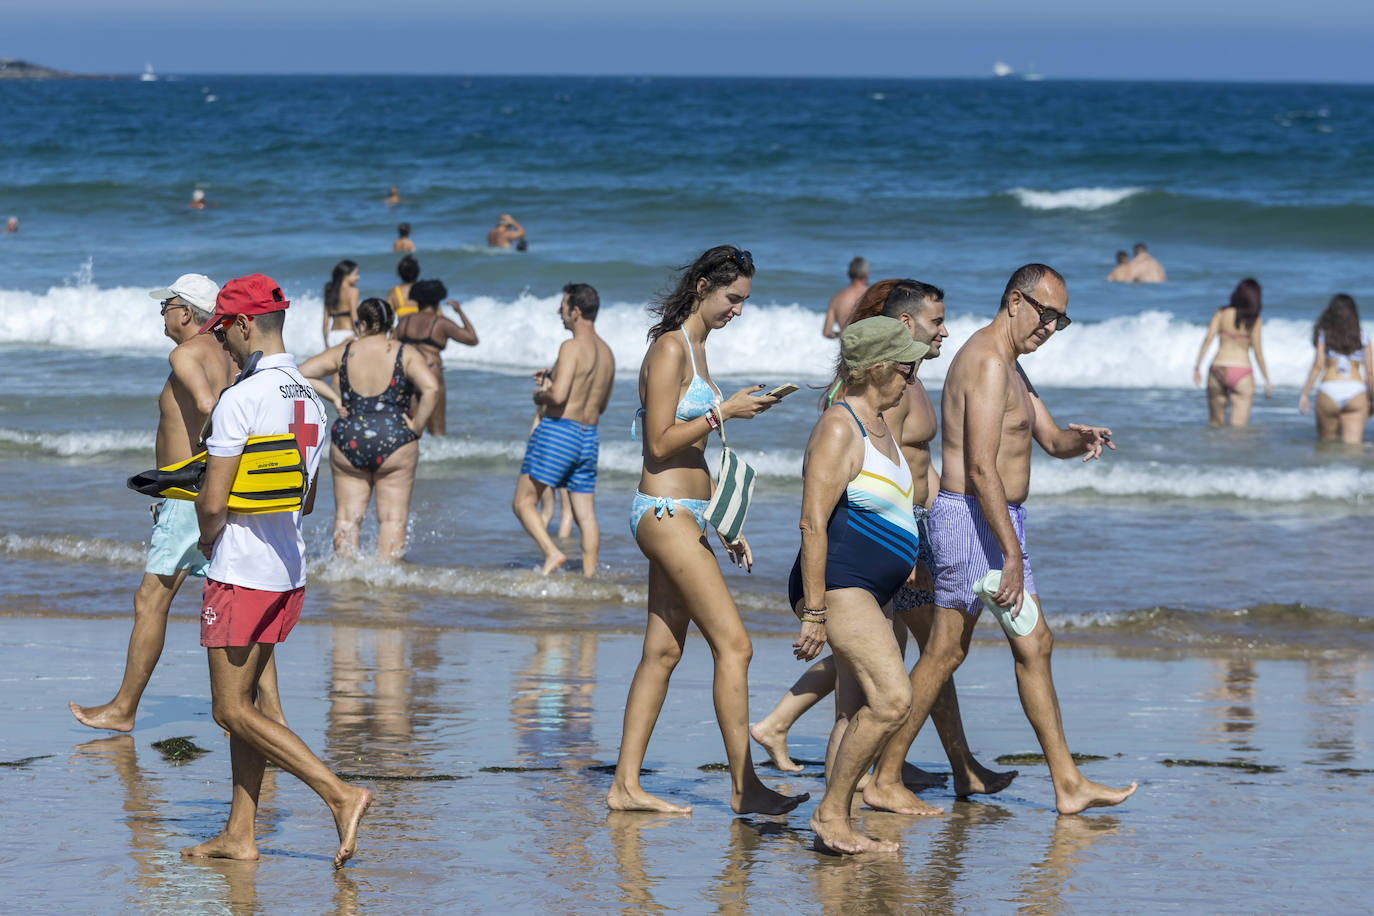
(1113, 477)
(1072, 198)
(68, 547)
(770, 342)
(74, 443)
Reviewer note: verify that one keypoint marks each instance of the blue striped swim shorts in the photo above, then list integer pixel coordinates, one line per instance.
(562, 453)
(965, 549)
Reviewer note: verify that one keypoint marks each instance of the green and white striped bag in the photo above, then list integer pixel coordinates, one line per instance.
(734, 488)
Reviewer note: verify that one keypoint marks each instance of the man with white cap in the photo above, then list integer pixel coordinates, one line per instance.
(200, 371)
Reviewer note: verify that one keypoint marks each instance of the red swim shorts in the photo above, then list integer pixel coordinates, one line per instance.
(232, 615)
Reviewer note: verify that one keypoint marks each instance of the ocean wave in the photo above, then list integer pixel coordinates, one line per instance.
(67, 547)
(78, 443)
(1072, 198)
(1151, 349)
(1113, 477)
(1286, 628)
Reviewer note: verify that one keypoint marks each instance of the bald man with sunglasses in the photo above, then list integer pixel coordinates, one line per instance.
(990, 413)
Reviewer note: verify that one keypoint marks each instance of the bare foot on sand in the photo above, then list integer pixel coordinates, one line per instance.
(839, 836)
(763, 800)
(553, 561)
(103, 717)
(913, 777)
(774, 741)
(1091, 795)
(346, 820)
(619, 799)
(899, 800)
(981, 781)
(224, 847)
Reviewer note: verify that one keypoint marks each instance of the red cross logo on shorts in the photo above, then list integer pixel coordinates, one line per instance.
(305, 433)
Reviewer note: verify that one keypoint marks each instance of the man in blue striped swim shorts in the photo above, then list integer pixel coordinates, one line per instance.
(563, 447)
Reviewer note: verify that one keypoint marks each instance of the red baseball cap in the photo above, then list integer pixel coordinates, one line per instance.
(255, 294)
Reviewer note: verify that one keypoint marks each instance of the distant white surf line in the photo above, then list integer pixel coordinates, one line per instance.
(766, 344)
(1073, 198)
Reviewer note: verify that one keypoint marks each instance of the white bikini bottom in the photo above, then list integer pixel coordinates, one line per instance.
(1341, 391)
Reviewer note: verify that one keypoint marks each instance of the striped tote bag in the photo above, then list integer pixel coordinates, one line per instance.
(734, 488)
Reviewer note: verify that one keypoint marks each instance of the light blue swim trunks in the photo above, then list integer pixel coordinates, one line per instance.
(173, 544)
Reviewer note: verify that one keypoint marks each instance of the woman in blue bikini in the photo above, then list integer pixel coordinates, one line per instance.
(681, 407)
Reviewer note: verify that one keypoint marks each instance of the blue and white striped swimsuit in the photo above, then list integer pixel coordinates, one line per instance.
(872, 539)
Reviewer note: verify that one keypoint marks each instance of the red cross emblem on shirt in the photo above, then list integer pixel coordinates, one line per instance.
(307, 434)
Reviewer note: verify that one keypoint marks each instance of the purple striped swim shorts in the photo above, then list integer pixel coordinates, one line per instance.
(965, 549)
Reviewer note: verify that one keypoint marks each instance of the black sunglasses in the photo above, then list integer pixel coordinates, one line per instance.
(167, 305)
(1047, 314)
(906, 370)
(743, 258)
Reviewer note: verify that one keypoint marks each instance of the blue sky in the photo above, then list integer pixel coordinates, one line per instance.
(1319, 40)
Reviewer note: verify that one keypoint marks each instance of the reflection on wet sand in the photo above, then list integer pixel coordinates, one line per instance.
(935, 885)
(1043, 886)
(633, 881)
(1335, 701)
(163, 880)
(551, 701)
(1235, 692)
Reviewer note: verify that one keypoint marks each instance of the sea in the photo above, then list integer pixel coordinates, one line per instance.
(1185, 536)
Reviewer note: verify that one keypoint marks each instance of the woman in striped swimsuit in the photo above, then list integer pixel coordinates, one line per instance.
(859, 544)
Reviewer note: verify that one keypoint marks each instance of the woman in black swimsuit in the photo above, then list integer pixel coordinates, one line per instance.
(430, 332)
(375, 445)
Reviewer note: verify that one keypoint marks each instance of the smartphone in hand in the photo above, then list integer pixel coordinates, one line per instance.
(781, 391)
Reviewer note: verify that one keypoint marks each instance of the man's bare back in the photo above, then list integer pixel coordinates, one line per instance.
(1145, 269)
(180, 414)
(592, 365)
(841, 307)
(913, 423)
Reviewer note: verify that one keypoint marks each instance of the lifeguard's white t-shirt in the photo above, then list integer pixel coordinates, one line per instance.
(266, 551)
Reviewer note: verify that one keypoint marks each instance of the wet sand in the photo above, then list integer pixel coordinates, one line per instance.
(481, 749)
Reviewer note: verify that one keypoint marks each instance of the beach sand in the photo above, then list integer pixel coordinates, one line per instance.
(498, 808)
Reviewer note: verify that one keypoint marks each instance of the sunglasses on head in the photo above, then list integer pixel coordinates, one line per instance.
(743, 259)
(1049, 315)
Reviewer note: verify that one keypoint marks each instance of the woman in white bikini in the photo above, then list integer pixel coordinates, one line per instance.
(681, 405)
(1230, 381)
(1343, 364)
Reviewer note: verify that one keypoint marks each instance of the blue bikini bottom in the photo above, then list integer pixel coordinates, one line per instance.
(660, 504)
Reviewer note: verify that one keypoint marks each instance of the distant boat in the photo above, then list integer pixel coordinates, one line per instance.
(1001, 69)
(1031, 76)
(148, 75)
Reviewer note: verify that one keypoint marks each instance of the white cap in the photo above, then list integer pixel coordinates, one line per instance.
(194, 289)
(197, 194)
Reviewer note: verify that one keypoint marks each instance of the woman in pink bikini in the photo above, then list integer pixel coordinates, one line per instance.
(1230, 381)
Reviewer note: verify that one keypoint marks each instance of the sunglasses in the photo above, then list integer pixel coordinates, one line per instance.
(744, 259)
(167, 306)
(1049, 315)
(906, 370)
(223, 325)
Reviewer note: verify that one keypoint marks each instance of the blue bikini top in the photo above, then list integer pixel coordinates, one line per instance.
(699, 397)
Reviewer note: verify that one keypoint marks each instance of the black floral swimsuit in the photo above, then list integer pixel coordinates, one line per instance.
(375, 427)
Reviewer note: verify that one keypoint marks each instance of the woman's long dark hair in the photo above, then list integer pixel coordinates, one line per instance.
(719, 266)
(1246, 301)
(376, 314)
(331, 289)
(1340, 325)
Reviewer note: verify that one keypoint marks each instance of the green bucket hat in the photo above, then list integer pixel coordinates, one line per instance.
(879, 340)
